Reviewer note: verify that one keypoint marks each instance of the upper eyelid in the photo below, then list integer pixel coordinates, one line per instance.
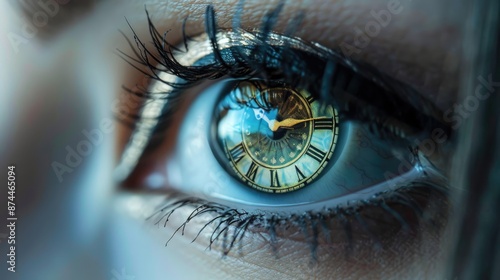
(423, 55)
(204, 48)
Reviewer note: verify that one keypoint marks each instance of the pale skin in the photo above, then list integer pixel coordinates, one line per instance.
(398, 50)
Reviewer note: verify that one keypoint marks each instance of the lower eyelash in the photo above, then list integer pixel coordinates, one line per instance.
(409, 206)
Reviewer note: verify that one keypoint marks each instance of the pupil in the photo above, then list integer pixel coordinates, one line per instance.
(278, 134)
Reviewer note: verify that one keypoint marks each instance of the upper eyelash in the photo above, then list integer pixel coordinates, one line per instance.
(245, 65)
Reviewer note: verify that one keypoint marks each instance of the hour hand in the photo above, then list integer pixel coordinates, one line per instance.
(291, 122)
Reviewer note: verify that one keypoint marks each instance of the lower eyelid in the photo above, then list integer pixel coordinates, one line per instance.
(277, 241)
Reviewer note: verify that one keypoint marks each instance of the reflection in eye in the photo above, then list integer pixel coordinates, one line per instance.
(335, 138)
(276, 139)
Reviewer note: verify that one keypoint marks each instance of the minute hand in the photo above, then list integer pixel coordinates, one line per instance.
(291, 122)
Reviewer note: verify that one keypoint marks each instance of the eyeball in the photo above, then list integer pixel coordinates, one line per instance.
(275, 138)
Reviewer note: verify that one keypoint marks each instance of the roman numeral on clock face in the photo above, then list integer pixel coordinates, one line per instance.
(237, 152)
(252, 171)
(323, 124)
(310, 99)
(315, 153)
(275, 183)
(300, 175)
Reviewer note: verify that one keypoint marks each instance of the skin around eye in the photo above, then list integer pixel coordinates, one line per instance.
(402, 242)
(417, 46)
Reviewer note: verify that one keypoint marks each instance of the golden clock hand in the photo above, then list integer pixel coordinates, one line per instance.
(291, 122)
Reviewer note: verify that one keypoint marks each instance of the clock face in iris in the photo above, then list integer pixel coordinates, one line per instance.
(276, 139)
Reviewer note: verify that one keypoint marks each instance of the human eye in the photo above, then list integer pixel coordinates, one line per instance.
(255, 132)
